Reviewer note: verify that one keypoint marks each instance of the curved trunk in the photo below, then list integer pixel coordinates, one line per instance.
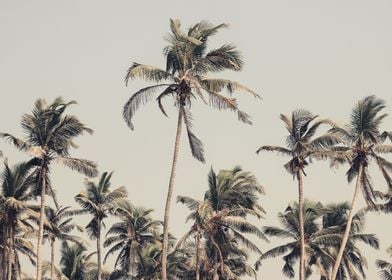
(52, 275)
(348, 226)
(301, 226)
(169, 197)
(99, 250)
(41, 223)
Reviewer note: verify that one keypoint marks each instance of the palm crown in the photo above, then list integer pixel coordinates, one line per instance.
(187, 64)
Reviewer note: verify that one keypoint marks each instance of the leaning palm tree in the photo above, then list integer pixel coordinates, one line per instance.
(334, 222)
(98, 200)
(49, 135)
(59, 227)
(302, 126)
(15, 192)
(324, 227)
(385, 267)
(363, 144)
(187, 64)
(135, 230)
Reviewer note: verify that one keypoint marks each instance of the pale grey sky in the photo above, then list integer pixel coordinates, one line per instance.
(318, 55)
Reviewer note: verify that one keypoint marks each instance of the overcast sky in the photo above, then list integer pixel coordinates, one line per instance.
(318, 55)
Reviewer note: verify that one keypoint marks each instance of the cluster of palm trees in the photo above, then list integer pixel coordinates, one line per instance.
(225, 230)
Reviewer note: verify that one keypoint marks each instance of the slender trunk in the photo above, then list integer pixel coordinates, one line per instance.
(4, 254)
(99, 250)
(132, 260)
(41, 223)
(169, 197)
(301, 226)
(348, 226)
(52, 275)
(198, 242)
(10, 251)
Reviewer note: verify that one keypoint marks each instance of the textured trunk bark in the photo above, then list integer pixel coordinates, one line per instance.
(10, 252)
(348, 226)
(198, 256)
(169, 197)
(99, 250)
(301, 226)
(52, 275)
(4, 255)
(132, 260)
(41, 224)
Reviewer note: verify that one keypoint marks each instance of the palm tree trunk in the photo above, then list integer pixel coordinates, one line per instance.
(4, 254)
(132, 260)
(301, 226)
(169, 197)
(10, 252)
(99, 250)
(41, 223)
(52, 276)
(348, 226)
(198, 249)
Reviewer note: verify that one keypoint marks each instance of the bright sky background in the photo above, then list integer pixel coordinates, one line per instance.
(318, 55)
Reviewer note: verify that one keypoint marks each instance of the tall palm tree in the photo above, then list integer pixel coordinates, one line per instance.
(99, 200)
(301, 145)
(324, 227)
(363, 143)
(385, 267)
(49, 135)
(59, 226)
(187, 64)
(16, 191)
(135, 230)
(221, 218)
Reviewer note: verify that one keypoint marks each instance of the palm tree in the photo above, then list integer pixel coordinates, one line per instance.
(98, 200)
(334, 222)
(385, 267)
(302, 126)
(14, 196)
(59, 225)
(49, 136)
(187, 64)
(221, 218)
(75, 262)
(324, 227)
(135, 230)
(363, 143)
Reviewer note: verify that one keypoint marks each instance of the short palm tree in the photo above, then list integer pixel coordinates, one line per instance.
(135, 230)
(185, 78)
(324, 227)
(334, 222)
(302, 126)
(385, 268)
(221, 218)
(99, 200)
(75, 262)
(59, 226)
(363, 144)
(49, 135)
(15, 192)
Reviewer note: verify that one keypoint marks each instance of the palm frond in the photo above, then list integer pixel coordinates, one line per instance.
(195, 144)
(140, 97)
(83, 166)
